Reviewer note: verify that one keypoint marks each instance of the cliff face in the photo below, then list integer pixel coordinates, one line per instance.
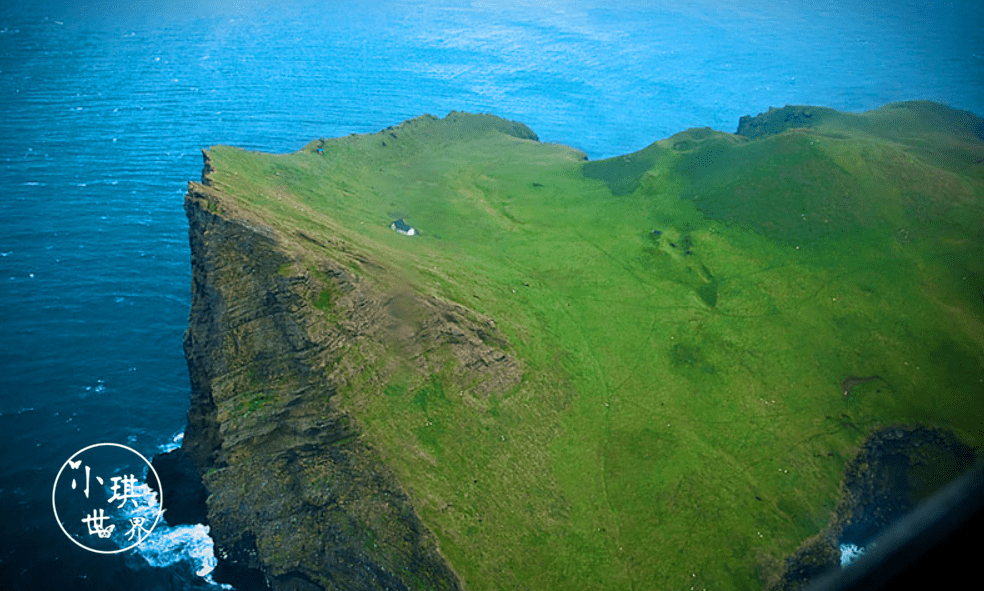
(296, 500)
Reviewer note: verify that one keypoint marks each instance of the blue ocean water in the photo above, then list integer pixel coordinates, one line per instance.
(104, 110)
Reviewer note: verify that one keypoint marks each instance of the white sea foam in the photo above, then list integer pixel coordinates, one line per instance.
(168, 546)
(99, 388)
(850, 553)
(174, 443)
(190, 544)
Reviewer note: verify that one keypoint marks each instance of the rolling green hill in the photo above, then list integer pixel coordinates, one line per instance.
(657, 400)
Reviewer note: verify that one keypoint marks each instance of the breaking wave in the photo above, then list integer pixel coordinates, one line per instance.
(168, 546)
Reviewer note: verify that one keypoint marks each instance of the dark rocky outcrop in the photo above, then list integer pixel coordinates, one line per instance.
(775, 121)
(896, 469)
(185, 500)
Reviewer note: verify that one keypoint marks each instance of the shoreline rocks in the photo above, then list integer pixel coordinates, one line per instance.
(895, 469)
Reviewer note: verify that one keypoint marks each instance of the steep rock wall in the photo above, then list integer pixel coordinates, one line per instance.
(296, 499)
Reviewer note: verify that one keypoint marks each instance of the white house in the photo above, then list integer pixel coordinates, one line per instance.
(402, 227)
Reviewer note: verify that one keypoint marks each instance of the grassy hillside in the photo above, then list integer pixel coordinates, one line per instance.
(685, 318)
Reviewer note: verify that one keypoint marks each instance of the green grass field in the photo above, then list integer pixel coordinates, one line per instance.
(680, 421)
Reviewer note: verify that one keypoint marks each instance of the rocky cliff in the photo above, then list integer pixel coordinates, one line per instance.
(775, 121)
(895, 470)
(296, 499)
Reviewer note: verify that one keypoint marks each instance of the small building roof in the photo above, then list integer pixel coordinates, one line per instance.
(402, 226)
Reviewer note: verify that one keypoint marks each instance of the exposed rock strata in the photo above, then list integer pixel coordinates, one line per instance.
(296, 498)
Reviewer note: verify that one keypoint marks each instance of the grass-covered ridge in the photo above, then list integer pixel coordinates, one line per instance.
(680, 419)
